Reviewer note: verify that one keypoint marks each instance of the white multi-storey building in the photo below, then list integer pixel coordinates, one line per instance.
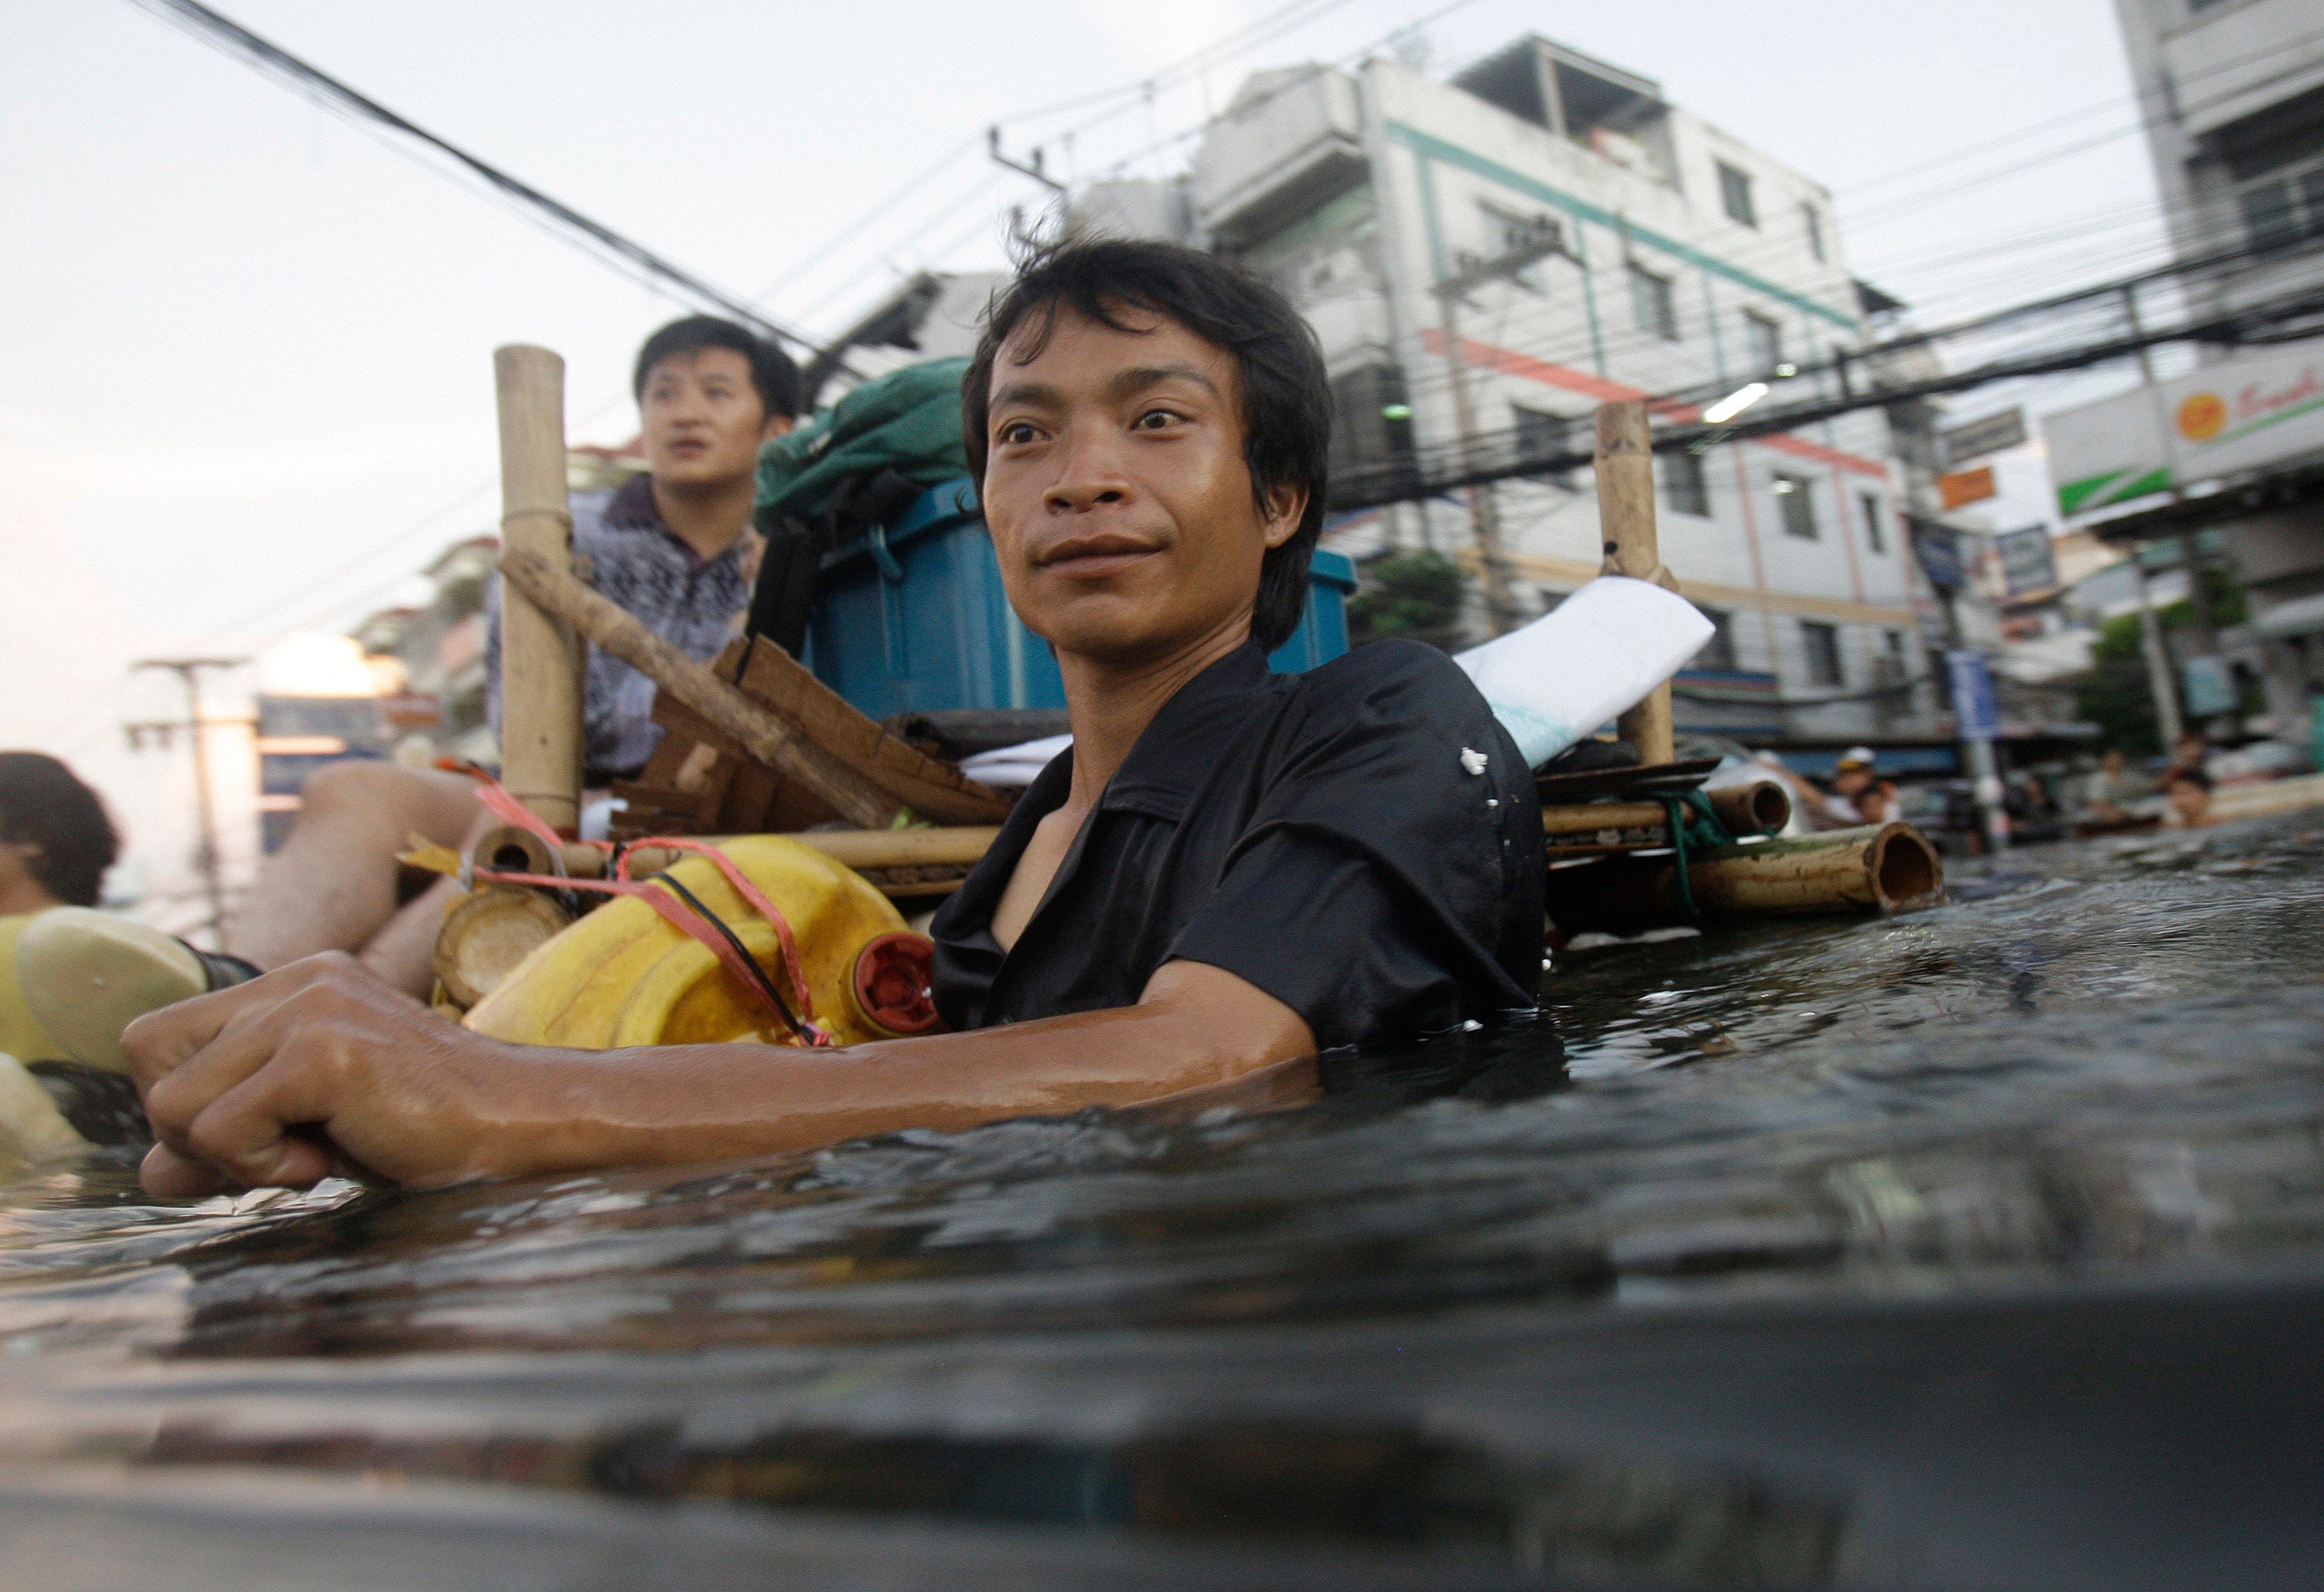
(1686, 262)
(2231, 95)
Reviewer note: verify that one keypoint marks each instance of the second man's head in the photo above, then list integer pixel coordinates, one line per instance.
(709, 392)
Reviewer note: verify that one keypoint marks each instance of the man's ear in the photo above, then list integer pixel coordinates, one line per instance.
(777, 425)
(1285, 507)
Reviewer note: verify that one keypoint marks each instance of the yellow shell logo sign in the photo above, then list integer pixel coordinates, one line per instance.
(2202, 416)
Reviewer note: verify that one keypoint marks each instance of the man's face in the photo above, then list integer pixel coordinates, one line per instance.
(1848, 781)
(702, 420)
(1115, 488)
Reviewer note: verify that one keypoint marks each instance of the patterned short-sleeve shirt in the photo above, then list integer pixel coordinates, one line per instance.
(633, 559)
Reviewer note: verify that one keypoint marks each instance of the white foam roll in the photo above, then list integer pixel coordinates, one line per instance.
(1585, 661)
(1012, 768)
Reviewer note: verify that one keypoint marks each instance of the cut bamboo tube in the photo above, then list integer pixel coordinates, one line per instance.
(765, 735)
(1878, 868)
(509, 849)
(488, 934)
(1625, 468)
(857, 848)
(540, 665)
(1761, 807)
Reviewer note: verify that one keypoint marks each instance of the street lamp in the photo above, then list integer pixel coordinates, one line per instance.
(1735, 402)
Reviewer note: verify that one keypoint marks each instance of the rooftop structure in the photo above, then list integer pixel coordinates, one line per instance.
(1498, 253)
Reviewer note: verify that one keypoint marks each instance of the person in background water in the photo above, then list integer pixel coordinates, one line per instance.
(1228, 872)
(2114, 789)
(1858, 795)
(2188, 793)
(2192, 750)
(674, 546)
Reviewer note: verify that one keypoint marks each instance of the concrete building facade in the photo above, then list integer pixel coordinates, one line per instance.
(1679, 260)
(2232, 98)
(2231, 95)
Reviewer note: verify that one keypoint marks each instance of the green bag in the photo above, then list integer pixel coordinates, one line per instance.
(905, 423)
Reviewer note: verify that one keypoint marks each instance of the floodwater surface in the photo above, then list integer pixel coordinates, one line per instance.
(1979, 1247)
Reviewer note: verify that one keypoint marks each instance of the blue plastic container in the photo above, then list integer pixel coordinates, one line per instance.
(912, 620)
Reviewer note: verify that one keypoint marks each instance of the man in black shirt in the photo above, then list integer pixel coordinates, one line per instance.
(1229, 871)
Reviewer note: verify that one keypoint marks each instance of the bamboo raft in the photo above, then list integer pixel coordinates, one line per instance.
(754, 744)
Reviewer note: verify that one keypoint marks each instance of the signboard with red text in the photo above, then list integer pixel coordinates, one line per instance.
(2238, 415)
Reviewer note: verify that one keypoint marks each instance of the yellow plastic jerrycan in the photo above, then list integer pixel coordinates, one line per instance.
(623, 975)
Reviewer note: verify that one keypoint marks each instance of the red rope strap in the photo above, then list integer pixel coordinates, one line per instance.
(497, 801)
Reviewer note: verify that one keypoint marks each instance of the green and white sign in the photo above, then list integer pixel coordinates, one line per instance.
(2222, 420)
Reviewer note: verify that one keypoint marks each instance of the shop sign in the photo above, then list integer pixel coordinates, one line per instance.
(2241, 414)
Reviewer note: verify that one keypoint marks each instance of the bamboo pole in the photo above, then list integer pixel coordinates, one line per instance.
(1878, 868)
(767, 736)
(859, 849)
(540, 663)
(1625, 467)
(1761, 807)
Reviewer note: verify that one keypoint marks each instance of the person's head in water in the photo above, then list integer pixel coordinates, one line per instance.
(56, 841)
(708, 393)
(2189, 796)
(1855, 772)
(1149, 424)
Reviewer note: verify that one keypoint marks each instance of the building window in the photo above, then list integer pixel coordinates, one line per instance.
(1735, 195)
(1652, 303)
(1820, 643)
(1684, 489)
(1876, 535)
(1541, 435)
(1795, 497)
(1718, 653)
(1763, 342)
(1814, 219)
(2280, 210)
(1371, 428)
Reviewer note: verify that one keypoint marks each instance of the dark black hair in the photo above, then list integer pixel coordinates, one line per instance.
(1287, 399)
(42, 804)
(2189, 774)
(772, 370)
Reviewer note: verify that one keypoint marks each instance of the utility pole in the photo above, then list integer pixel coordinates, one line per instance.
(1484, 514)
(2162, 681)
(205, 850)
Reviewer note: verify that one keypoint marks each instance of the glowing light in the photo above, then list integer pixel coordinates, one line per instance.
(1735, 403)
(308, 664)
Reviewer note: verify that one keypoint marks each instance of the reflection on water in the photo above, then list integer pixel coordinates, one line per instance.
(2096, 1071)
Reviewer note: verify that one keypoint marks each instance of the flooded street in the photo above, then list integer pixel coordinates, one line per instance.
(1979, 1247)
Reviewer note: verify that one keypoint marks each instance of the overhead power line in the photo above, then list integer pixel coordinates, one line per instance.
(1442, 468)
(230, 36)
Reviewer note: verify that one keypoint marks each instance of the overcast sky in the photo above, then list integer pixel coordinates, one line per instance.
(246, 383)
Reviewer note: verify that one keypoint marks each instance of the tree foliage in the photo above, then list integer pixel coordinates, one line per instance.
(2115, 696)
(1414, 595)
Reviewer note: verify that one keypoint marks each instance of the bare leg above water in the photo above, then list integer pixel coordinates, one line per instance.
(333, 884)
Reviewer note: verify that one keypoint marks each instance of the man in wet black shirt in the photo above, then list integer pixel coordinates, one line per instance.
(1361, 842)
(1228, 872)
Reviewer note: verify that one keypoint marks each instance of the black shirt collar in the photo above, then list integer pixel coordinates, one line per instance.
(1161, 775)
(1170, 760)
